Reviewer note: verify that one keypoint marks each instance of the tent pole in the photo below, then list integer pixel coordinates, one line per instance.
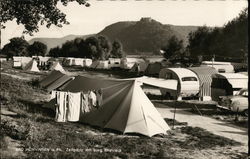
(174, 114)
(198, 110)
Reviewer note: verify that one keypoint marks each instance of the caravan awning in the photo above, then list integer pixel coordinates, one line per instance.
(158, 82)
(235, 79)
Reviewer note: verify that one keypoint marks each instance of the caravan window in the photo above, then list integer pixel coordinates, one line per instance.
(169, 76)
(189, 79)
(221, 70)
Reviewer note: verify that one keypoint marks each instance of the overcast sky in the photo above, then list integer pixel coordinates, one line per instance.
(102, 13)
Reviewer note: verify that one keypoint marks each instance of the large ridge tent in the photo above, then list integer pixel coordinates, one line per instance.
(205, 77)
(32, 66)
(125, 106)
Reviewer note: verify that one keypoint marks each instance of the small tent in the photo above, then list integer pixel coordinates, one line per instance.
(32, 66)
(139, 67)
(128, 62)
(87, 62)
(57, 66)
(153, 69)
(100, 64)
(125, 107)
(50, 78)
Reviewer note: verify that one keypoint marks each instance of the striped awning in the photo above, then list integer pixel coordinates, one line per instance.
(205, 77)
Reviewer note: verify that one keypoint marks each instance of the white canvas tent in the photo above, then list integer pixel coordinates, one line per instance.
(57, 66)
(128, 62)
(87, 62)
(21, 61)
(125, 107)
(100, 64)
(32, 66)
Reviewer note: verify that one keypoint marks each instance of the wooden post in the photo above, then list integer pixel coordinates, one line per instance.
(237, 114)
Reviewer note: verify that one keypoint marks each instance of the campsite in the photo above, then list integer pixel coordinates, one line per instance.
(124, 79)
(31, 127)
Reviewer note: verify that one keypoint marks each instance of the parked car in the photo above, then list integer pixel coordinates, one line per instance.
(235, 103)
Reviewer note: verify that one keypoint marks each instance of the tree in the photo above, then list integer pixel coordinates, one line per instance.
(37, 49)
(92, 45)
(227, 43)
(54, 52)
(116, 51)
(98, 47)
(173, 48)
(104, 47)
(31, 13)
(199, 41)
(17, 46)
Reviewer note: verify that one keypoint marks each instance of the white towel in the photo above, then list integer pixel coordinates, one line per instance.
(61, 107)
(92, 98)
(53, 95)
(73, 111)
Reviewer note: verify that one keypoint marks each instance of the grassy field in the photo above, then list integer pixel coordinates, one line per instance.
(41, 137)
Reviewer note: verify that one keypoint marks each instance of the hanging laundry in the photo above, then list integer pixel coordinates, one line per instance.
(53, 95)
(92, 99)
(99, 97)
(84, 103)
(73, 111)
(61, 106)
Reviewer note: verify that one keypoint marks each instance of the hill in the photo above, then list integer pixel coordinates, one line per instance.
(145, 36)
(53, 42)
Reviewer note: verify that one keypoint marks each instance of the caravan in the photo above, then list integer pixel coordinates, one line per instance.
(224, 84)
(188, 83)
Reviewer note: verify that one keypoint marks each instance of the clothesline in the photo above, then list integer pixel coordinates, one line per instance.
(70, 106)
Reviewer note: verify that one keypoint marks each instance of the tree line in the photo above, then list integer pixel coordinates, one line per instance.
(95, 47)
(18, 46)
(227, 43)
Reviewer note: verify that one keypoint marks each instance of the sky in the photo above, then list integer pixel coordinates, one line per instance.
(90, 20)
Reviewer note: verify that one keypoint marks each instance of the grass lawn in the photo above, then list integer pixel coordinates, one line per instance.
(42, 137)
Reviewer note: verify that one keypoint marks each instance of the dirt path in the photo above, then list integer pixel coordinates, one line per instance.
(212, 125)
